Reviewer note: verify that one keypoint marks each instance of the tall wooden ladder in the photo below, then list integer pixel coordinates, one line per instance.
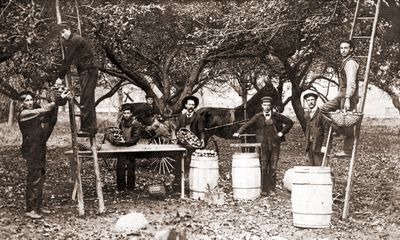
(78, 157)
(361, 21)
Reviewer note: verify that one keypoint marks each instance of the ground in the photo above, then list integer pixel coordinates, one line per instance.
(374, 205)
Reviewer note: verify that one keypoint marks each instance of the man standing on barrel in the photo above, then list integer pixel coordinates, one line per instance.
(271, 128)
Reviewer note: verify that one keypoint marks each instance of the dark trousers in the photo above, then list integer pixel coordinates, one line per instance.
(314, 158)
(348, 132)
(88, 81)
(36, 175)
(269, 164)
(125, 172)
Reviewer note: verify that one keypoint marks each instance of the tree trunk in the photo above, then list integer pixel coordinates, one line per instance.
(11, 113)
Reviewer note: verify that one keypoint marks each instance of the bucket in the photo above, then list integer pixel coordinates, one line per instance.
(312, 197)
(203, 172)
(246, 176)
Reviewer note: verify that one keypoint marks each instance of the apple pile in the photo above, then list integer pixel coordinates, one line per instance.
(117, 135)
(204, 153)
(187, 137)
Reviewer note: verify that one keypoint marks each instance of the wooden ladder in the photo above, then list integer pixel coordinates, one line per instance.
(78, 157)
(357, 36)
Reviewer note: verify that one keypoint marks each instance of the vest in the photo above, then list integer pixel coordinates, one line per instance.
(343, 79)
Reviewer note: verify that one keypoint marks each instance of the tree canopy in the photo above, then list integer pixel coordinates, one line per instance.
(174, 48)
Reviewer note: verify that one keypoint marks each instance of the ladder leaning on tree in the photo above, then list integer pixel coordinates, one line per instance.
(74, 136)
(356, 34)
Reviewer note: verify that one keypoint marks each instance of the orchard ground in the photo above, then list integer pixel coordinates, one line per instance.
(374, 205)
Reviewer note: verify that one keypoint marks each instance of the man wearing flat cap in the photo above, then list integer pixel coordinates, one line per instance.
(125, 169)
(271, 128)
(315, 129)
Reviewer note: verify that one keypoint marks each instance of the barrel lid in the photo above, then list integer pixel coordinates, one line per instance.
(313, 169)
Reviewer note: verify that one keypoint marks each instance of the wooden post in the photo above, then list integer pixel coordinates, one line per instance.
(97, 172)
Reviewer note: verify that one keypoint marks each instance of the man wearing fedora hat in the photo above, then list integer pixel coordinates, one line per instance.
(189, 105)
(271, 128)
(315, 129)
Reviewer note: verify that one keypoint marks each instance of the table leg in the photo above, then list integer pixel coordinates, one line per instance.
(183, 176)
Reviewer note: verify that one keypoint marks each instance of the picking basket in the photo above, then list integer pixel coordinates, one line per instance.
(345, 119)
(186, 137)
(114, 136)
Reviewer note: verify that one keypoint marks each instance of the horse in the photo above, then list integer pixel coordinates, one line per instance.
(224, 122)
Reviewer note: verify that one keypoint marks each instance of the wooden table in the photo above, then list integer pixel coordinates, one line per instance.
(143, 151)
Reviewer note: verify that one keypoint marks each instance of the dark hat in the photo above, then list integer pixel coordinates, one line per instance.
(266, 99)
(63, 25)
(149, 96)
(195, 99)
(23, 94)
(310, 93)
(126, 106)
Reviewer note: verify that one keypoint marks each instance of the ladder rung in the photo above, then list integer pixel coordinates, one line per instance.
(362, 37)
(361, 56)
(366, 18)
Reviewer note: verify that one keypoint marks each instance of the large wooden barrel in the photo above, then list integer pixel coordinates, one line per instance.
(312, 197)
(246, 176)
(203, 173)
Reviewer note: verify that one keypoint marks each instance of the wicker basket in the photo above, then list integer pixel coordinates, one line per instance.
(114, 136)
(186, 137)
(345, 119)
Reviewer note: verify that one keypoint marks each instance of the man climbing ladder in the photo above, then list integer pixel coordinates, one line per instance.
(79, 51)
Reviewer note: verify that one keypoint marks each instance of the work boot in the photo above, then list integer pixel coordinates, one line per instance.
(44, 211)
(342, 154)
(33, 215)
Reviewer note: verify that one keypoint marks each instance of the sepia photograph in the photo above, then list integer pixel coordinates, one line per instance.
(200, 119)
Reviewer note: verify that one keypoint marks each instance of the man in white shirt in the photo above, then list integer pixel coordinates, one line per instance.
(347, 97)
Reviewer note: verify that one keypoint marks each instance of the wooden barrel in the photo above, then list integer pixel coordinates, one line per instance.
(203, 173)
(246, 176)
(312, 197)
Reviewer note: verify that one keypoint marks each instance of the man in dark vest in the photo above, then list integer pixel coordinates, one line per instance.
(32, 119)
(271, 128)
(315, 129)
(147, 112)
(347, 97)
(189, 105)
(79, 51)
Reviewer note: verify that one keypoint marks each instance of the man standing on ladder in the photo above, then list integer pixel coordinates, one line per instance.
(347, 97)
(80, 52)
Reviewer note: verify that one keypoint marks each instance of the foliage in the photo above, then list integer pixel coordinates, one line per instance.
(174, 48)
